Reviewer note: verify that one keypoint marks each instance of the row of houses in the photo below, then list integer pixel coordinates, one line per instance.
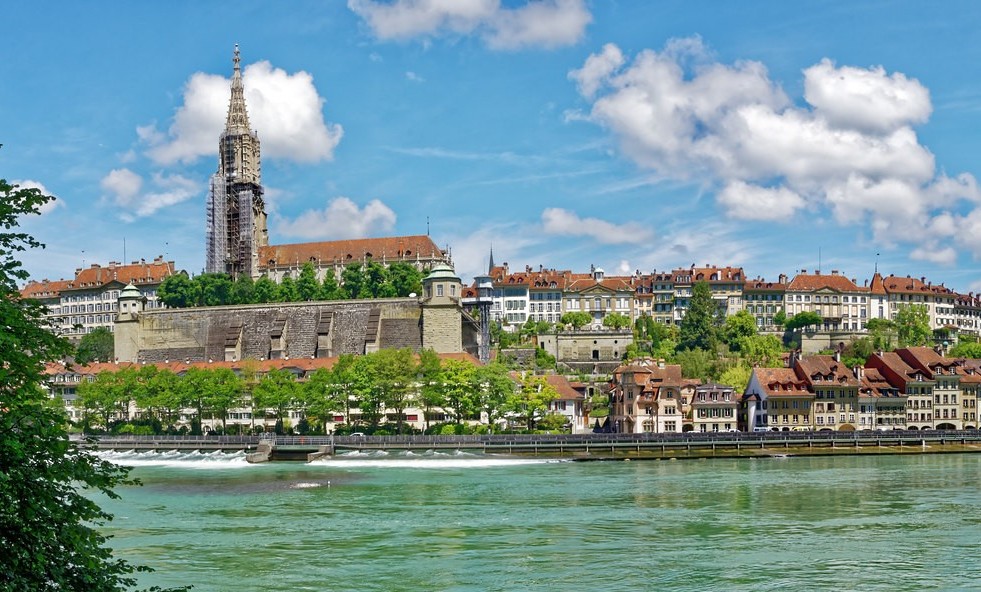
(844, 305)
(915, 388)
(62, 381)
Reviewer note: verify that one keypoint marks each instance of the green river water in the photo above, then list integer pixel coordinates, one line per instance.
(462, 522)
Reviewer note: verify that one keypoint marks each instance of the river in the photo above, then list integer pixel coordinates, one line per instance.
(469, 522)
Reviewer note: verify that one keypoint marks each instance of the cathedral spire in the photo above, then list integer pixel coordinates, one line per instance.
(238, 118)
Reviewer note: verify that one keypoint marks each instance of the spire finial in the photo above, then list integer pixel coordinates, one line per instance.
(238, 118)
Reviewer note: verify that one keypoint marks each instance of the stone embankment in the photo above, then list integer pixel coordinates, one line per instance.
(572, 446)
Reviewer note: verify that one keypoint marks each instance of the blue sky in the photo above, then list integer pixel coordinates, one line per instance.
(628, 135)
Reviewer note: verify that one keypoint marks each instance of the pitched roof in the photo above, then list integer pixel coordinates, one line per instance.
(804, 282)
(906, 285)
(825, 368)
(408, 248)
(96, 276)
(781, 382)
(564, 388)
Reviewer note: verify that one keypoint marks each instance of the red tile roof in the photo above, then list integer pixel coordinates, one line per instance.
(781, 382)
(810, 282)
(96, 276)
(407, 248)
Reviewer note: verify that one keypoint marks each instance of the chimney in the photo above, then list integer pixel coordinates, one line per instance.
(859, 372)
(782, 278)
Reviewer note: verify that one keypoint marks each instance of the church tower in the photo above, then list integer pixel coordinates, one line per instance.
(236, 211)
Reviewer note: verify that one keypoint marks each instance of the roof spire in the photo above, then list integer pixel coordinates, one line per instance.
(490, 264)
(238, 117)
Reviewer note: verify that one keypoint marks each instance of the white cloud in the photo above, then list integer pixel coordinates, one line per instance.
(48, 207)
(868, 100)
(597, 69)
(341, 219)
(284, 108)
(851, 149)
(938, 255)
(123, 184)
(541, 23)
(413, 77)
(564, 222)
(125, 189)
(752, 202)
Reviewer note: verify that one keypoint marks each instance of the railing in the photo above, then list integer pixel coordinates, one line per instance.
(496, 440)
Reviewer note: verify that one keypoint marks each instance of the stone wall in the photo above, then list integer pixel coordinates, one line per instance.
(294, 330)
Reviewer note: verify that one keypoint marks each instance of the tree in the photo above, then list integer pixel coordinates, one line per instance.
(48, 528)
(354, 283)
(966, 350)
(287, 290)
(265, 290)
(700, 327)
(243, 290)
(578, 319)
(395, 375)
(307, 285)
(780, 319)
(98, 345)
(429, 375)
(277, 390)
(695, 363)
(322, 396)
(882, 332)
(761, 350)
(616, 321)
(329, 290)
(736, 327)
(176, 291)
(913, 325)
(737, 377)
(405, 278)
(802, 320)
(212, 289)
(530, 402)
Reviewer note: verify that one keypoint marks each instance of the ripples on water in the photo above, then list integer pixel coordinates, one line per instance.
(443, 521)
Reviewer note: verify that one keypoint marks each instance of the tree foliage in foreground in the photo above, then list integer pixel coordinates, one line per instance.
(48, 529)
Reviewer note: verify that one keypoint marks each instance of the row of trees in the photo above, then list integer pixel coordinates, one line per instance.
(372, 280)
(374, 384)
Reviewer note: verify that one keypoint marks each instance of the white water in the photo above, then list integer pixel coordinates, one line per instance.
(176, 458)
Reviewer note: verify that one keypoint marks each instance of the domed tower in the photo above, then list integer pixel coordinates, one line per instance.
(127, 327)
(442, 318)
(236, 211)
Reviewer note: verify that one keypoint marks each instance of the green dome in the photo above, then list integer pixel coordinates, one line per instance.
(443, 272)
(131, 292)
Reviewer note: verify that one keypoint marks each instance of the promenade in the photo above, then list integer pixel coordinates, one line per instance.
(572, 446)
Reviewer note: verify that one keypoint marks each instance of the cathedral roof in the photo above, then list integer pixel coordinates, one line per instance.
(396, 248)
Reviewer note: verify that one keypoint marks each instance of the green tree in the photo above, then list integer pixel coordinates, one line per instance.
(323, 396)
(616, 321)
(49, 527)
(405, 278)
(429, 373)
(966, 349)
(913, 325)
(700, 327)
(740, 325)
(577, 319)
(329, 289)
(396, 373)
(223, 392)
(802, 320)
(307, 285)
(695, 363)
(265, 290)
(354, 283)
(97, 346)
(530, 401)
(176, 291)
(457, 381)
(737, 377)
(780, 319)
(494, 386)
(882, 332)
(243, 290)
(214, 289)
(377, 281)
(279, 391)
(761, 350)
(287, 291)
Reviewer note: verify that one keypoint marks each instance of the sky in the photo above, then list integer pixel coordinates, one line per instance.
(625, 134)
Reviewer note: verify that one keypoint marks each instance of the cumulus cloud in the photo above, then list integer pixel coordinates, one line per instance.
(564, 222)
(341, 219)
(285, 109)
(851, 149)
(48, 207)
(124, 190)
(537, 23)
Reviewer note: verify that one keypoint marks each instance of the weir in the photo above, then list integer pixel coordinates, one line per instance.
(575, 446)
